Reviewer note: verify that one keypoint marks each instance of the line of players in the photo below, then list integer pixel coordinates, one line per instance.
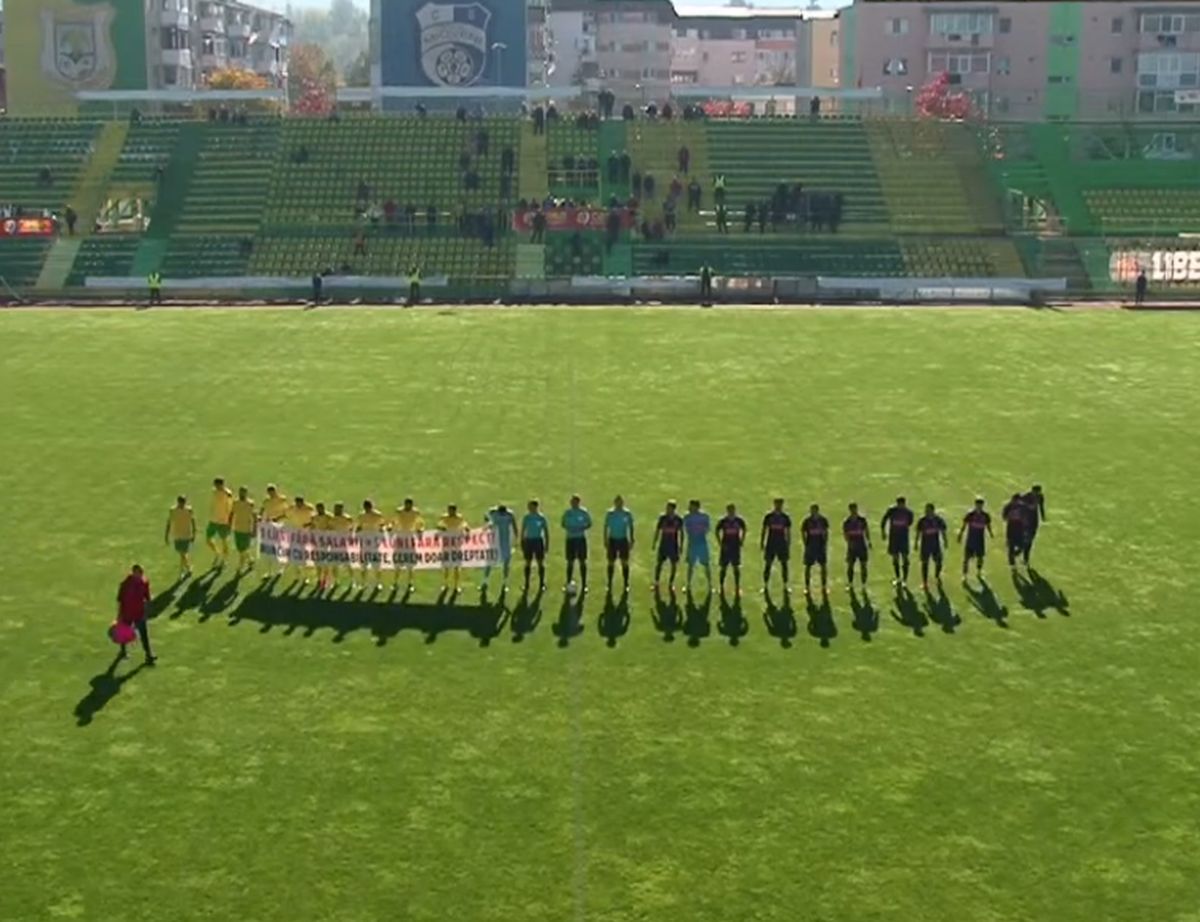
(675, 536)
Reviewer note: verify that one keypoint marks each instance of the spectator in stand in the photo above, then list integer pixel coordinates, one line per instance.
(646, 230)
(685, 160)
(461, 113)
(431, 217)
(389, 212)
(777, 213)
(422, 112)
(676, 187)
(817, 211)
(614, 168)
(481, 142)
(539, 226)
(374, 214)
(317, 284)
(814, 107)
(508, 160)
(71, 217)
(612, 230)
(764, 211)
(552, 112)
(539, 120)
(607, 101)
(627, 112)
(636, 183)
(719, 188)
(797, 194)
(648, 186)
(593, 172)
(722, 220)
(669, 216)
(626, 165)
(668, 111)
(694, 194)
(1140, 287)
(652, 111)
(487, 230)
(506, 182)
(835, 212)
(657, 231)
(748, 217)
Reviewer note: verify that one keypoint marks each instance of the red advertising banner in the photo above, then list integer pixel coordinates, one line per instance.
(571, 219)
(28, 227)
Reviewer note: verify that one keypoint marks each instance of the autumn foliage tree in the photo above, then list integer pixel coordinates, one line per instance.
(312, 81)
(233, 78)
(938, 99)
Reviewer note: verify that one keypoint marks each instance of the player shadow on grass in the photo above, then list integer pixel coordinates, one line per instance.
(780, 620)
(526, 615)
(866, 617)
(733, 624)
(343, 610)
(821, 625)
(940, 611)
(666, 616)
(614, 620)
(907, 612)
(193, 597)
(697, 624)
(104, 687)
(1039, 595)
(570, 620)
(986, 603)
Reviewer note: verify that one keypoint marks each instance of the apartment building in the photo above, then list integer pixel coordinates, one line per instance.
(3, 72)
(641, 49)
(192, 39)
(1027, 60)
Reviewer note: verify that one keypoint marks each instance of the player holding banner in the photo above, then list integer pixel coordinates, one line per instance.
(274, 510)
(504, 523)
(452, 525)
(407, 522)
(371, 522)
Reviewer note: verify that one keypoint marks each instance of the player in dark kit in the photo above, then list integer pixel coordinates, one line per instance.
(977, 525)
(1016, 523)
(814, 530)
(931, 532)
(1035, 514)
(731, 532)
(776, 543)
(856, 531)
(895, 526)
(667, 536)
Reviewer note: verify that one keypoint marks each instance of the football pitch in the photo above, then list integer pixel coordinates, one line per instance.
(1025, 751)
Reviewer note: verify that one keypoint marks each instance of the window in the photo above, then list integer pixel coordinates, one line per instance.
(1058, 79)
(1004, 66)
(1005, 25)
(739, 34)
(954, 62)
(1170, 23)
(1116, 65)
(737, 57)
(1118, 25)
(1002, 105)
(170, 75)
(1168, 70)
(897, 26)
(895, 67)
(961, 23)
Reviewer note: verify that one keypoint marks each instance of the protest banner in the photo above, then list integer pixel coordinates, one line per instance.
(430, 550)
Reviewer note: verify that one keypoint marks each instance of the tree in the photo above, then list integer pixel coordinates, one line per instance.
(233, 78)
(938, 100)
(312, 81)
(358, 73)
(341, 30)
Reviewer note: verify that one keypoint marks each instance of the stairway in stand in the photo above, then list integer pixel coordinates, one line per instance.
(86, 199)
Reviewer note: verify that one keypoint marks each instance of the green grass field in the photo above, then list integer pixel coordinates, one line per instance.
(298, 760)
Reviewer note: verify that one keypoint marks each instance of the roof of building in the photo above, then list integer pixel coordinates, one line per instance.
(711, 10)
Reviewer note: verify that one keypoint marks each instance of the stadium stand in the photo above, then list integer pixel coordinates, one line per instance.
(29, 146)
(104, 255)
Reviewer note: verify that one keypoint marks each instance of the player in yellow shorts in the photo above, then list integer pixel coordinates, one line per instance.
(407, 520)
(452, 524)
(244, 520)
(180, 533)
(274, 509)
(371, 522)
(299, 515)
(220, 512)
(322, 521)
(343, 524)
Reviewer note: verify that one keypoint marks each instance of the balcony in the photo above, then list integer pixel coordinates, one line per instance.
(175, 19)
(212, 24)
(238, 29)
(177, 57)
(213, 61)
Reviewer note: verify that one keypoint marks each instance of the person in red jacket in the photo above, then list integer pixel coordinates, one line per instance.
(132, 597)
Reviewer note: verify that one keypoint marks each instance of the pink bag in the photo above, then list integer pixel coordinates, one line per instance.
(121, 633)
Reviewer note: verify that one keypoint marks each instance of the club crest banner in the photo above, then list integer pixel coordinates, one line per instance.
(430, 550)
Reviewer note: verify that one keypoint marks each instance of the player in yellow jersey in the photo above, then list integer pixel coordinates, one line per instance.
(181, 532)
(299, 515)
(244, 520)
(407, 520)
(343, 524)
(371, 522)
(220, 513)
(321, 521)
(452, 525)
(274, 509)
